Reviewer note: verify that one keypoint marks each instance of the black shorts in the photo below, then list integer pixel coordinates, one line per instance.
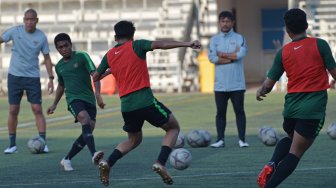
(17, 85)
(308, 128)
(78, 105)
(156, 114)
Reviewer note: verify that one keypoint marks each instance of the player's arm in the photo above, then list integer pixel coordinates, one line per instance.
(49, 66)
(169, 44)
(327, 57)
(102, 70)
(273, 75)
(58, 96)
(266, 87)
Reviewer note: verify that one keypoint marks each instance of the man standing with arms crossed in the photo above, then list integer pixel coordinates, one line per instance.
(24, 74)
(227, 50)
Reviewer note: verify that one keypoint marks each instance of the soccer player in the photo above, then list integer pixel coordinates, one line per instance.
(74, 72)
(127, 62)
(306, 61)
(24, 74)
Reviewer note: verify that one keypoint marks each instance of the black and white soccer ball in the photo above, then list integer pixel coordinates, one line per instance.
(180, 140)
(331, 131)
(180, 158)
(36, 145)
(268, 136)
(199, 138)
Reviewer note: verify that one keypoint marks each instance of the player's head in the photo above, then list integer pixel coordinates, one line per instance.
(226, 21)
(296, 21)
(30, 20)
(124, 30)
(63, 44)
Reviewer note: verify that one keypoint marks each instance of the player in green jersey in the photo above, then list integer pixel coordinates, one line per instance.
(305, 61)
(74, 72)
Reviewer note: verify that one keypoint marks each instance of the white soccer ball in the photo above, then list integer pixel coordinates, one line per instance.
(180, 140)
(268, 136)
(180, 158)
(331, 131)
(199, 138)
(36, 144)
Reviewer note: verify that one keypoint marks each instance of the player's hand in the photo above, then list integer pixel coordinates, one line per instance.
(50, 87)
(195, 44)
(51, 109)
(100, 101)
(260, 95)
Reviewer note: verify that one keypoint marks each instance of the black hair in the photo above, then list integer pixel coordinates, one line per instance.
(62, 37)
(296, 21)
(226, 14)
(32, 11)
(124, 30)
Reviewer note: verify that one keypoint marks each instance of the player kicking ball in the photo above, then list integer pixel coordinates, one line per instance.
(127, 62)
(74, 78)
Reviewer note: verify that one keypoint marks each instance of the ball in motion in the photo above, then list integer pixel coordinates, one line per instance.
(199, 138)
(36, 145)
(331, 131)
(180, 158)
(268, 136)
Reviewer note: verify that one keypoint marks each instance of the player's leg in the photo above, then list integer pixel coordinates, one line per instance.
(160, 116)
(221, 99)
(34, 95)
(237, 99)
(133, 125)
(280, 151)
(305, 133)
(15, 92)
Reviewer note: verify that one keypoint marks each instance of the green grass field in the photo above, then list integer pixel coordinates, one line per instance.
(210, 168)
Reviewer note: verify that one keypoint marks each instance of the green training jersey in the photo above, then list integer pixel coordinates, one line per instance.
(75, 76)
(143, 97)
(304, 105)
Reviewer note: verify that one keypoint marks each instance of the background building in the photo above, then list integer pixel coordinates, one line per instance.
(90, 24)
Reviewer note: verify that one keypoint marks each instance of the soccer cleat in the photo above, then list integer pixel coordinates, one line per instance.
(104, 172)
(219, 143)
(11, 150)
(161, 170)
(66, 165)
(46, 149)
(265, 174)
(243, 144)
(97, 157)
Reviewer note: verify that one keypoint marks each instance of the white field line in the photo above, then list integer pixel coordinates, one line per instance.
(103, 111)
(73, 181)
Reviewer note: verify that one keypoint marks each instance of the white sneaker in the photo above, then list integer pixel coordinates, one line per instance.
(219, 143)
(243, 144)
(66, 165)
(46, 149)
(11, 150)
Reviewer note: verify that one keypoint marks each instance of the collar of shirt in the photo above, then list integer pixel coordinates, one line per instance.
(226, 34)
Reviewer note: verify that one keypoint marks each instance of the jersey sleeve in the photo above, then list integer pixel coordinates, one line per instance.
(103, 66)
(45, 46)
(88, 62)
(326, 54)
(7, 35)
(141, 47)
(277, 68)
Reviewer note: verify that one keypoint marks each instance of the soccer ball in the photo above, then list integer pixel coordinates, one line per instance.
(199, 138)
(268, 136)
(180, 140)
(36, 144)
(180, 158)
(331, 131)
